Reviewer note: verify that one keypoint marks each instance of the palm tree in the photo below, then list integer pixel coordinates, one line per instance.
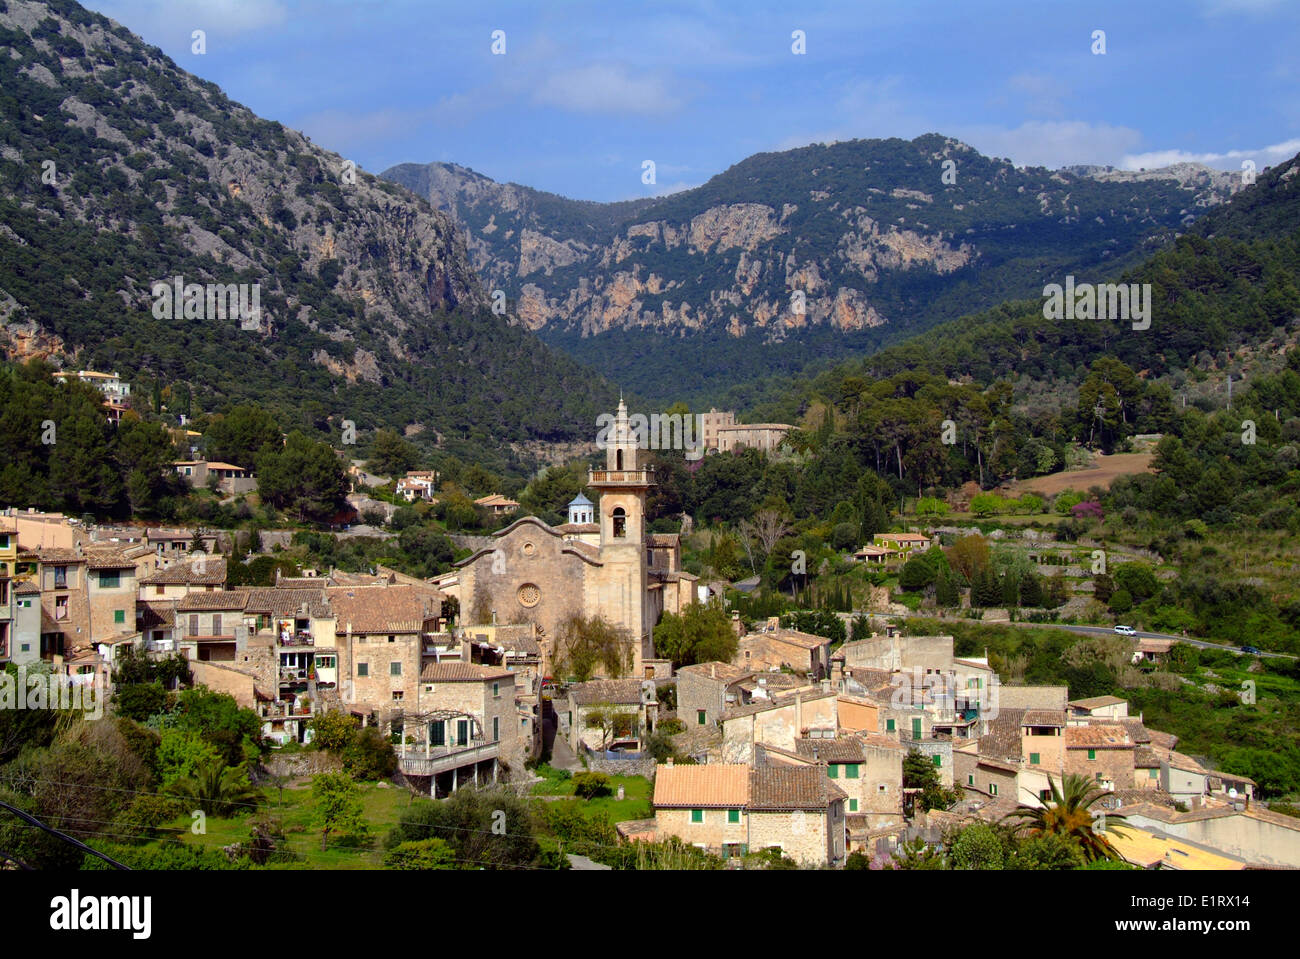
(1069, 815)
(218, 789)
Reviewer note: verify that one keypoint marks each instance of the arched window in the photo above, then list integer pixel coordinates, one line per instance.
(618, 459)
(620, 522)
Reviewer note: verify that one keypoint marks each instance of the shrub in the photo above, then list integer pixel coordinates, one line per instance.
(589, 785)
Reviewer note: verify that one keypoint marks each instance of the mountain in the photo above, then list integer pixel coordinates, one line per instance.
(1225, 300)
(119, 170)
(871, 232)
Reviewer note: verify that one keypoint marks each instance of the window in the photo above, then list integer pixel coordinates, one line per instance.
(1033, 759)
(60, 577)
(936, 760)
(496, 690)
(1153, 773)
(882, 788)
(395, 668)
(833, 771)
(1045, 795)
(392, 639)
(398, 695)
(119, 616)
(60, 607)
(216, 624)
(916, 727)
(697, 815)
(194, 624)
(889, 725)
(1092, 754)
(160, 590)
(970, 780)
(993, 789)
(853, 805)
(733, 815)
(619, 518)
(700, 716)
(109, 579)
(363, 669)
(438, 733)
(851, 770)
(462, 732)
(496, 729)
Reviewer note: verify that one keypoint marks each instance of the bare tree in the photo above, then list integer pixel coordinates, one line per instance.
(767, 527)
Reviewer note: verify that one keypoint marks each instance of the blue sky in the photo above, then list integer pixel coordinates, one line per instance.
(586, 91)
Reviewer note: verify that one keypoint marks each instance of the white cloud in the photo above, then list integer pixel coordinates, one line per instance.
(1228, 160)
(605, 88)
(1052, 144)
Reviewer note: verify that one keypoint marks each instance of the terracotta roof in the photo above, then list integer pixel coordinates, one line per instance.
(843, 749)
(1096, 702)
(662, 540)
(791, 787)
(1144, 757)
(1150, 848)
(696, 786)
(182, 573)
(378, 609)
(1097, 736)
(154, 615)
(621, 691)
(578, 528)
(722, 672)
(27, 588)
(284, 602)
(54, 554)
(1043, 717)
(213, 601)
(301, 582)
(1002, 741)
(112, 558)
(462, 673)
(796, 638)
(786, 699)
(1164, 740)
(1182, 761)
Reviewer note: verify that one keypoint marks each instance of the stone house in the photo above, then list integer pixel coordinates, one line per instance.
(777, 648)
(210, 626)
(777, 723)
(200, 573)
(633, 698)
(706, 690)
(732, 808)
(1099, 707)
(1101, 753)
(869, 768)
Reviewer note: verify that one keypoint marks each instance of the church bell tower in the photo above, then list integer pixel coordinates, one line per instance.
(621, 582)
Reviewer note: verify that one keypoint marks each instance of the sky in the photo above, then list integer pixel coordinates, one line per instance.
(583, 93)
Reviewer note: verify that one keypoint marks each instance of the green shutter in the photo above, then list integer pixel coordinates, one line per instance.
(889, 725)
(699, 716)
(1092, 754)
(970, 780)
(1033, 759)
(733, 815)
(853, 805)
(697, 815)
(119, 616)
(851, 771)
(936, 759)
(916, 728)
(833, 771)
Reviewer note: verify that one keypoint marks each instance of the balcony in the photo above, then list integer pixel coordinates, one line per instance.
(297, 639)
(284, 711)
(645, 477)
(421, 760)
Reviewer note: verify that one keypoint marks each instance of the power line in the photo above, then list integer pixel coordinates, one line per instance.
(32, 820)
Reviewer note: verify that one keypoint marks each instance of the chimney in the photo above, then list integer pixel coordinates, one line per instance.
(669, 761)
(713, 670)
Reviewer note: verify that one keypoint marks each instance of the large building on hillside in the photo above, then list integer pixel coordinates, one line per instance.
(603, 564)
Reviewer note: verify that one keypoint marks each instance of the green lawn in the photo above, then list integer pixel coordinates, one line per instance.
(635, 804)
(294, 810)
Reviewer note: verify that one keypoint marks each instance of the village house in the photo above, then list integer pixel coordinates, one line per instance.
(765, 437)
(778, 722)
(777, 648)
(210, 626)
(418, 484)
(60, 574)
(200, 573)
(1099, 707)
(1260, 837)
(496, 504)
(1101, 753)
(231, 478)
(907, 544)
(170, 544)
(732, 809)
(604, 714)
(706, 690)
(869, 768)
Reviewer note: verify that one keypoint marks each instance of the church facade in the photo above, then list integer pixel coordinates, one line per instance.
(602, 562)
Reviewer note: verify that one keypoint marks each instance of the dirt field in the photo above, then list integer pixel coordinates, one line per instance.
(1102, 474)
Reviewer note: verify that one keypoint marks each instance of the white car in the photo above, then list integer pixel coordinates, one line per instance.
(1126, 630)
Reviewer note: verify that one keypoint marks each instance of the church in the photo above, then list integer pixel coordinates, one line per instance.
(601, 562)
